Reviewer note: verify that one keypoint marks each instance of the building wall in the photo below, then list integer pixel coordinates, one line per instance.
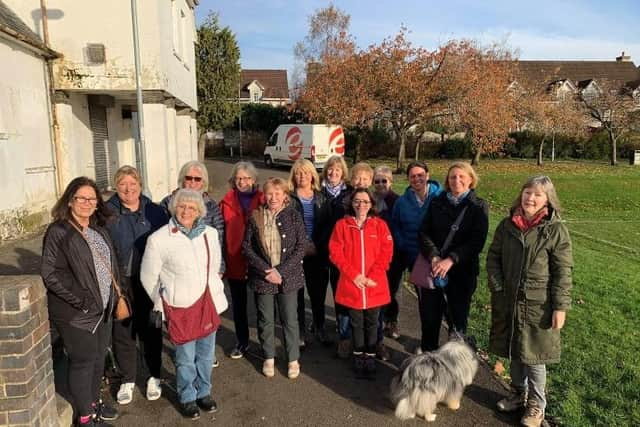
(27, 172)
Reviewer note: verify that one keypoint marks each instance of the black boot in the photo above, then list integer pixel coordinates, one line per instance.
(370, 366)
(358, 365)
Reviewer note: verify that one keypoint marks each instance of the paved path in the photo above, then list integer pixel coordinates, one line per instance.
(325, 394)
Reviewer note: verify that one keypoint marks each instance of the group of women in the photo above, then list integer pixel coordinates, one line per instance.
(304, 232)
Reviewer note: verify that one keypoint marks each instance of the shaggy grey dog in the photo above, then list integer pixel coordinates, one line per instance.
(432, 377)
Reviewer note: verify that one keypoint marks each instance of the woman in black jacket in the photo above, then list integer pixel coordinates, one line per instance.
(315, 209)
(458, 264)
(78, 267)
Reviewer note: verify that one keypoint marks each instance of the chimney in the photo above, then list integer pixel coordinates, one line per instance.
(623, 58)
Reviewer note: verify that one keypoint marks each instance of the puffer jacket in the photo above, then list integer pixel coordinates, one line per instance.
(406, 218)
(235, 222)
(293, 238)
(129, 231)
(322, 220)
(368, 251)
(212, 217)
(176, 267)
(529, 277)
(69, 274)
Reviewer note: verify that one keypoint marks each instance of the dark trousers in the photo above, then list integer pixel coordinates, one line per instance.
(364, 325)
(239, 296)
(316, 275)
(86, 352)
(266, 310)
(433, 306)
(126, 331)
(399, 264)
(342, 312)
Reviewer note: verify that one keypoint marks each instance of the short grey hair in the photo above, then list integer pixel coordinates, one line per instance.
(248, 167)
(188, 195)
(383, 170)
(184, 170)
(544, 182)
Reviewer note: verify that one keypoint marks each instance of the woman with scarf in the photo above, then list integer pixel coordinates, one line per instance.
(274, 246)
(458, 264)
(236, 207)
(180, 264)
(529, 265)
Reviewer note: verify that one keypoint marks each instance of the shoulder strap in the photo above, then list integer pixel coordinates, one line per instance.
(454, 228)
(102, 260)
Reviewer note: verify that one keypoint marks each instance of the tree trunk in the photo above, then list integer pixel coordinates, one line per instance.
(357, 153)
(540, 150)
(417, 150)
(476, 157)
(613, 140)
(401, 152)
(202, 142)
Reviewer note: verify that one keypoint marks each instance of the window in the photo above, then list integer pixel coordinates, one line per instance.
(255, 96)
(178, 17)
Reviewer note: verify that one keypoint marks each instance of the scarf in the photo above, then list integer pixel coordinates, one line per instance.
(523, 224)
(196, 230)
(455, 201)
(334, 190)
(271, 236)
(245, 199)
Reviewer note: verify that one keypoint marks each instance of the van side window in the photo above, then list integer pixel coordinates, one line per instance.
(273, 140)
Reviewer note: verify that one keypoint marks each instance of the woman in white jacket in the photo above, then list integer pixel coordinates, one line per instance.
(178, 263)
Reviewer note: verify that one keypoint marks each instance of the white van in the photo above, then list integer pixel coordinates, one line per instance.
(313, 142)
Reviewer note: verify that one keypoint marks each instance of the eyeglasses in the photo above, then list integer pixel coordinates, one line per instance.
(85, 200)
(360, 202)
(192, 178)
(380, 181)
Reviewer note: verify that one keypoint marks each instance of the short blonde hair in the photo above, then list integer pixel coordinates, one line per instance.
(468, 170)
(305, 166)
(333, 161)
(361, 167)
(277, 183)
(188, 195)
(127, 170)
(184, 170)
(383, 170)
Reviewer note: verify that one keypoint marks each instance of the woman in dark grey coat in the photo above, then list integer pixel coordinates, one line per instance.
(274, 247)
(529, 265)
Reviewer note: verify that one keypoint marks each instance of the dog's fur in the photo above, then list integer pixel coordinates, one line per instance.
(432, 377)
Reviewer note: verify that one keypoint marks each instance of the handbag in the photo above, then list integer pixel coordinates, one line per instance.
(200, 319)
(421, 273)
(122, 308)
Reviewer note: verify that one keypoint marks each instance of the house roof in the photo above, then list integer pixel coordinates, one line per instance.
(274, 82)
(12, 25)
(580, 73)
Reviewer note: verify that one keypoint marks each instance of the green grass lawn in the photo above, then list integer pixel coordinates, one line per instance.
(598, 381)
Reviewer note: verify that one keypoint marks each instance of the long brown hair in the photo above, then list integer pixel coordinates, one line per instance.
(62, 209)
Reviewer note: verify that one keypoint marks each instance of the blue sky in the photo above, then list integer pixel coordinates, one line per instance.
(540, 29)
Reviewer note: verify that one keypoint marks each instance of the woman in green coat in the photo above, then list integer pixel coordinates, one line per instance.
(529, 265)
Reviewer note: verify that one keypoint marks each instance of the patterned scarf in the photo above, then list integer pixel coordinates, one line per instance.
(196, 230)
(334, 190)
(522, 223)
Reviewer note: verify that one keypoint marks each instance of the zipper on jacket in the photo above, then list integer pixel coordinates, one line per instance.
(364, 290)
(515, 300)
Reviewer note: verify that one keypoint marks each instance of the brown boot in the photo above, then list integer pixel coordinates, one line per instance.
(533, 414)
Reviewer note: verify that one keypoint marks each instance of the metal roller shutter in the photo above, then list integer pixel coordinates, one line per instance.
(98, 124)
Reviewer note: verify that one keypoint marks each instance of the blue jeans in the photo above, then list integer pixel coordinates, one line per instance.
(194, 361)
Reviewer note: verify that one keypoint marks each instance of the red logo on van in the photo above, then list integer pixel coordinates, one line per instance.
(294, 141)
(336, 141)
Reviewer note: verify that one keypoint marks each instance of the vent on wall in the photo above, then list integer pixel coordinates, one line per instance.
(95, 53)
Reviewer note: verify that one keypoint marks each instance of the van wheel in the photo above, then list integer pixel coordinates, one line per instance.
(268, 162)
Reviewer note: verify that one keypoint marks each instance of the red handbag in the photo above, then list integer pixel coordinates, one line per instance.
(200, 319)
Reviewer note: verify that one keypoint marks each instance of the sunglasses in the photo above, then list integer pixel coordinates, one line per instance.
(380, 181)
(192, 178)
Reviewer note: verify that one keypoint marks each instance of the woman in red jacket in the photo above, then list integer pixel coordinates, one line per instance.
(361, 248)
(236, 208)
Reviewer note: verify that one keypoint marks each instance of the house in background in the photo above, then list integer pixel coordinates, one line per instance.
(570, 78)
(94, 85)
(264, 87)
(27, 165)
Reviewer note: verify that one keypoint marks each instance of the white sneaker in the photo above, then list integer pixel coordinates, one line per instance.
(125, 394)
(154, 391)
